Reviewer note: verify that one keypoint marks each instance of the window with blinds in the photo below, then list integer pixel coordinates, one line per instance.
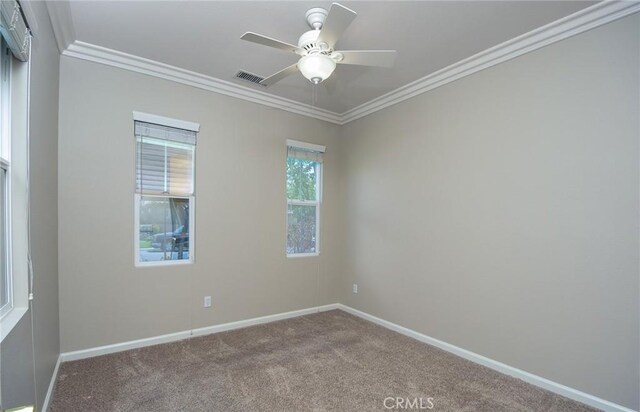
(14, 29)
(15, 39)
(304, 189)
(165, 169)
(6, 290)
(165, 160)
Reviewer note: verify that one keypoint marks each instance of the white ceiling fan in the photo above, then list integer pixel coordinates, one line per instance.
(317, 47)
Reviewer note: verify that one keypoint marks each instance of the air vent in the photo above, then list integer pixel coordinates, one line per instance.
(250, 77)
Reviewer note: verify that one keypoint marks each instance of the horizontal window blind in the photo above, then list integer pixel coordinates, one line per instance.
(143, 129)
(165, 165)
(304, 154)
(14, 29)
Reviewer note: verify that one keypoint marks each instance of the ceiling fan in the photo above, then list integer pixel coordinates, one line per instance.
(317, 47)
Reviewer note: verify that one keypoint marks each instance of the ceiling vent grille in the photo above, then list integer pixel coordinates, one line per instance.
(250, 77)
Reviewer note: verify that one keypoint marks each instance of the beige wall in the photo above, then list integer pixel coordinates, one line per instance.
(240, 212)
(500, 212)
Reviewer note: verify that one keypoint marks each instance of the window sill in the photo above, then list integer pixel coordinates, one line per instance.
(10, 320)
(161, 263)
(301, 255)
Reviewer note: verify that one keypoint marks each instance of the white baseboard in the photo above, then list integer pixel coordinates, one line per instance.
(263, 319)
(52, 384)
(495, 365)
(172, 337)
(463, 353)
(119, 347)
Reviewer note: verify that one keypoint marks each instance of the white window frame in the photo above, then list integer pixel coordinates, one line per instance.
(14, 141)
(6, 241)
(179, 124)
(297, 202)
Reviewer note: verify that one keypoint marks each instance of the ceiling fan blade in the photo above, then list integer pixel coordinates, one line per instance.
(268, 41)
(274, 78)
(379, 58)
(338, 19)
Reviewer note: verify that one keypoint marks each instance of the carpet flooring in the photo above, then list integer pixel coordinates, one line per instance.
(330, 361)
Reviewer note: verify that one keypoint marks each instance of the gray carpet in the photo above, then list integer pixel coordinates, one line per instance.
(329, 361)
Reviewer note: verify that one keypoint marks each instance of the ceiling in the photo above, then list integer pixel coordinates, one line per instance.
(204, 37)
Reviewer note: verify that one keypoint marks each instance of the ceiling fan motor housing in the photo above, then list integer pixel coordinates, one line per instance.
(309, 40)
(309, 43)
(315, 17)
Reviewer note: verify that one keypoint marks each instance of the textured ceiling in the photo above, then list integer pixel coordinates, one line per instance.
(204, 36)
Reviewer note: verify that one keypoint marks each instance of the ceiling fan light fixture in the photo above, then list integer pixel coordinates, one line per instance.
(317, 47)
(316, 67)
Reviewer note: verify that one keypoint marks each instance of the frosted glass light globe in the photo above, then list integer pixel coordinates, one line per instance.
(316, 67)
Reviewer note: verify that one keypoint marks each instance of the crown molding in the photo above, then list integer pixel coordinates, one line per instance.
(576, 23)
(62, 23)
(579, 22)
(98, 54)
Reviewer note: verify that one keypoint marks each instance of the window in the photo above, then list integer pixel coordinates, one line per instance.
(14, 176)
(304, 196)
(165, 163)
(6, 289)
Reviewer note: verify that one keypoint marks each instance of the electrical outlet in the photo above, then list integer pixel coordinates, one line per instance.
(355, 288)
(207, 301)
